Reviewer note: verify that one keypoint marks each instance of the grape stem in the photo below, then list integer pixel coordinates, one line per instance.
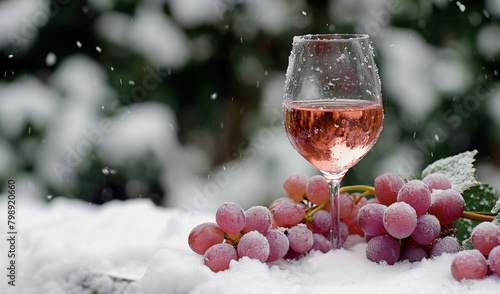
(236, 240)
(479, 216)
(368, 191)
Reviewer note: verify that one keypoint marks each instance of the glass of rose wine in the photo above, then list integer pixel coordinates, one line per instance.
(332, 106)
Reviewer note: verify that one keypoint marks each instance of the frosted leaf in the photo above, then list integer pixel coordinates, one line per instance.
(496, 209)
(459, 169)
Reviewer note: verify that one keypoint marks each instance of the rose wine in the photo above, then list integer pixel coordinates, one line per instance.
(333, 135)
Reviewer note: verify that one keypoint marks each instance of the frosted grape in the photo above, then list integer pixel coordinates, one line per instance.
(346, 205)
(494, 260)
(387, 187)
(218, 257)
(413, 252)
(417, 194)
(447, 244)
(254, 245)
(427, 229)
(469, 264)
(317, 189)
(295, 186)
(301, 238)
(278, 245)
(383, 248)
(437, 181)
(400, 220)
(230, 218)
(447, 205)
(204, 236)
(258, 218)
(354, 228)
(286, 212)
(321, 243)
(485, 236)
(344, 232)
(370, 219)
(322, 221)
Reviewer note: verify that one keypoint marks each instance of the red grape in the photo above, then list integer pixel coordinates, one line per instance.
(447, 244)
(317, 189)
(469, 264)
(387, 187)
(254, 245)
(427, 229)
(218, 257)
(230, 218)
(204, 236)
(447, 205)
(300, 238)
(322, 221)
(413, 252)
(258, 218)
(417, 194)
(278, 245)
(437, 181)
(383, 248)
(494, 260)
(346, 205)
(321, 243)
(355, 228)
(485, 237)
(295, 186)
(286, 212)
(400, 220)
(370, 219)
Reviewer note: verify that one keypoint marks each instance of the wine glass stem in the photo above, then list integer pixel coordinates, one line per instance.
(334, 186)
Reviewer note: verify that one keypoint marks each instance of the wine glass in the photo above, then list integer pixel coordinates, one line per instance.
(332, 106)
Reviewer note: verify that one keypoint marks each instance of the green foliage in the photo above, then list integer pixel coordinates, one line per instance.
(479, 198)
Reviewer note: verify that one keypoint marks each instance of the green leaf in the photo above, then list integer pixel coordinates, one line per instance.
(478, 198)
(458, 168)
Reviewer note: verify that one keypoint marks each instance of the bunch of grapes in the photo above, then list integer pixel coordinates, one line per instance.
(412, 220)
(484, 259)
(288, 229)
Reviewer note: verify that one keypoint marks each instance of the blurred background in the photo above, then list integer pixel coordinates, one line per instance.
(179, 101)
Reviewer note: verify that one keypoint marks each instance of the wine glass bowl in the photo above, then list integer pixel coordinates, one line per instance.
(332, 105)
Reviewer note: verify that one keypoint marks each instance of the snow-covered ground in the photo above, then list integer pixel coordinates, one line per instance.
(68, 246)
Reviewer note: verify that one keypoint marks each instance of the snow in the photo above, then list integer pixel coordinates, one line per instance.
(150, 33)
(20, 20)
(124, 247)
(25, 102)
(487, 40)
(158, 38)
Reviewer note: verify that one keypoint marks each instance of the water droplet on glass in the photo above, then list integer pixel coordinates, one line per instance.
(49, 197)
(11, 55)
(131, 82)
(436, 137)
(213, 96)
(98, 49)
(461, 6)
(112, 68)
(105, 171)
(78, 44)
(304, 13)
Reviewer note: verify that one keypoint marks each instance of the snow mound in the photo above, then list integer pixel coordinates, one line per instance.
(134, 247)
